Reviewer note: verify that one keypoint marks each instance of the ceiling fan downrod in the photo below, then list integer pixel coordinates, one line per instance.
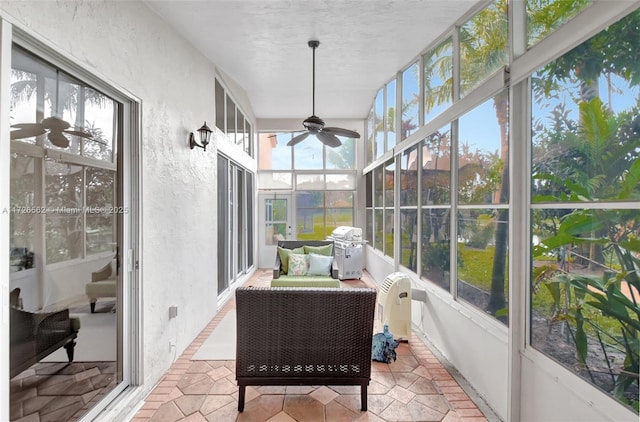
(313, 44)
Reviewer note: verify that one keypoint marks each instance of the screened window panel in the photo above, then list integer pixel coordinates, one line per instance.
(483, 152)
(483, 45)
(390, 114)
(409, 177)
(275, 180)
(436, 168)
(341, 181)
(310, 182)
(438, 79)
(435, 242)
(410, 99)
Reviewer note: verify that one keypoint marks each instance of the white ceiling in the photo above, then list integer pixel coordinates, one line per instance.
(262, 45)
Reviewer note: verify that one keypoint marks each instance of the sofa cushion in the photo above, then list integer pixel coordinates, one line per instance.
(104, 288)
(326, 250)
(284, 257)
(298, 264)
(305, 281)
(319, 264)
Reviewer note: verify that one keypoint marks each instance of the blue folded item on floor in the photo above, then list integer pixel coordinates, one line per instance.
(384, 346)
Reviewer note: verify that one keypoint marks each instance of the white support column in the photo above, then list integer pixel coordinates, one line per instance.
(518, 199)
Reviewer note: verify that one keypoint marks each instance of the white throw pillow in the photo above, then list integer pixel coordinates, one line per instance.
(319, 264)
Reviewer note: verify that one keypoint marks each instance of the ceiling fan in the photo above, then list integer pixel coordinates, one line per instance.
(56, 127)
(315, 125)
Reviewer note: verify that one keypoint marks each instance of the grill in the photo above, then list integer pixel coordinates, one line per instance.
(348, 243)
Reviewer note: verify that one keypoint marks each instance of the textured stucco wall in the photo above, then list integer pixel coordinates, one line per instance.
(130, 47)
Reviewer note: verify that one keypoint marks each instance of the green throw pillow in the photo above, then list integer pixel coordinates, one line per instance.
(284, 257)
(326, 250)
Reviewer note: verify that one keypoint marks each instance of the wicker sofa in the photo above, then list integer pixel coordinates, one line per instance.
(281, 279)
(304, 336)
(36, 335)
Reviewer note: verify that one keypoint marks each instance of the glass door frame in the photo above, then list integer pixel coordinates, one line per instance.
(268, 242)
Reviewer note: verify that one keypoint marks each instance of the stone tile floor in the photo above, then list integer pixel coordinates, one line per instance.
(59, 391)
(416, 387)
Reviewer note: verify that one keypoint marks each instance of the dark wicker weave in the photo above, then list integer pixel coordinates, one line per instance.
(37, 335)
(304, 336)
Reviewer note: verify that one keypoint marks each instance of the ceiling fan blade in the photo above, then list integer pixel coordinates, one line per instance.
(58, 139)
(329, 139)
(342, 132)
(78, 133)
(297, 139)
(28, 132)
(55, 123)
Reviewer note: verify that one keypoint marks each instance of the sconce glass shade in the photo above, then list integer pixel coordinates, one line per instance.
(205, 135)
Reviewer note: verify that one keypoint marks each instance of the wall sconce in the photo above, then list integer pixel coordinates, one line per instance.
(205, 134)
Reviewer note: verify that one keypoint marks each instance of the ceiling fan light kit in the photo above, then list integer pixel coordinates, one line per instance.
(313, 124)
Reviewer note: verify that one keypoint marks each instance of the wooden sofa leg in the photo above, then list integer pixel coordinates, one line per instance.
(241, 391)
(363, 397)
(70, 347)
(92, 305)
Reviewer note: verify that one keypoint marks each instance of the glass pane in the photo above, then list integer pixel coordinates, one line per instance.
(482, 259)
(409, 177)
(369, 187)
(438, 79)
(275, 232)
(220, 122)
(339, 207)
(409, 238)
(388, 232)
(342, 157)
(483, 153)
(389, 182)
(276, 210)
(370, 145)
(101, 121)
(24, 216)
(379, 128)
(436, 168)
(585, 291)
(231, 120)
(545, 16)
(308, 154)
(436, 243)
(339, 199)
(583, 144)
(310, 223)
(101, 210)
(310, 181)
(378, 176)
(310, 199)
(341, 181)
(410, 99)
(369, 228)
(391, 115)
(248, 143)
(275, 180)
(379, 229)
(64, 222)
(274, 152)
(483, 45)
(25, 92)
(240, 134)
